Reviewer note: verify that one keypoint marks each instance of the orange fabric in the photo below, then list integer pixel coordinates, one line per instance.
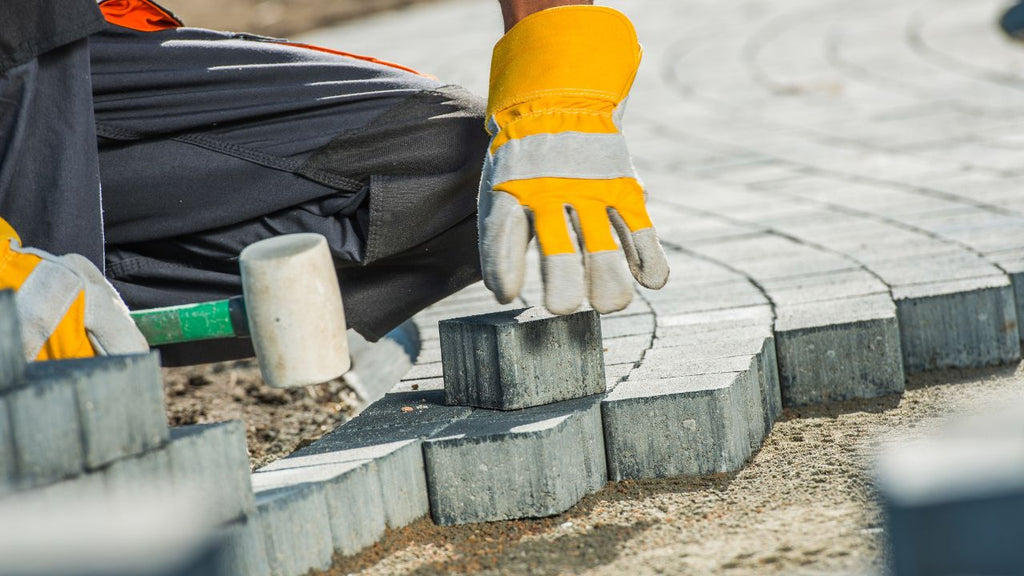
(547, 198)
(69, 340)
(553, 115)
(582, 52)
(140, 15)
(356, 56)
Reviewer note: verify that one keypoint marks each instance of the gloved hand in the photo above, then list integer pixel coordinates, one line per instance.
(559, 79)
(65, 305)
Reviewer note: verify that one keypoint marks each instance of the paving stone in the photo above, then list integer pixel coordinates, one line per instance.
(395, 465)
(296, 529)
(686, 299)
(522, 358)
(716, 320)
(1018, 291)
(966, 323)
(245, 550)
(620, 326)
(837, 350)
(352, 494)
(8, 460)
(82, 488)
(209, 461)
(691, 425)
(46, 432)
(672, 363)
(12, 355)
(215, 459)
(953, 501)
(768, 379)
(953, 265)
(832, 286)
(154, 534)
(120, 403)
(142, 472)
(628, 349)
(389, 434)
(717, 344)
(525, 464)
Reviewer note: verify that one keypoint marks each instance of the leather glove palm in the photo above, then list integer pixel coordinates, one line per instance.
(559, 80)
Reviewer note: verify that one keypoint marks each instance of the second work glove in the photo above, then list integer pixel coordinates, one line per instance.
(557, 158)
(65, 306)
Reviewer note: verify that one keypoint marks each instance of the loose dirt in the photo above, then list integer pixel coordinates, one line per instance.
(804, 504)
(276, 421)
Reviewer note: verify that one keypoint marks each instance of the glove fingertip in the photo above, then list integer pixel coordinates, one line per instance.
(563, 283)
(610, 287)
(649, 267)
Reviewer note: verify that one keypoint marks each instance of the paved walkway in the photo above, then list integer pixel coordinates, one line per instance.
(836, 187)
(849, 161)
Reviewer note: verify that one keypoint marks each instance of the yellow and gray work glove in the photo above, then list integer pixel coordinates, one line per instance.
(65, 306)
(557, 158)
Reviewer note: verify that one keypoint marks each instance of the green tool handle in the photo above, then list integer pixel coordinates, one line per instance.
(193, 322)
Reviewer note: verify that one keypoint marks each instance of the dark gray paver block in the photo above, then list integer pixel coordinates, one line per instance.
(387, 433)
(397, 469)
(12, 354)
(120, 403)
(216, 454)
(209, 461)
(521, 358)
(296, 529)
(848, 348)
(8, 462)
(245, 552)
(46, 432)
(691, 425)
(504, 465)
(954, 502)
(352, 493)
(965, 323)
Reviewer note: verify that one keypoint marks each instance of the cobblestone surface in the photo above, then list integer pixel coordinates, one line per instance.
(835, 184)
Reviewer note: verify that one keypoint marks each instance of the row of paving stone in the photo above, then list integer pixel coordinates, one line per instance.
(828, 232)
(96, 430)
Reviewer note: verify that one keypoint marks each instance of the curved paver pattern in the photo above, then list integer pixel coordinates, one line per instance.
(838, 190)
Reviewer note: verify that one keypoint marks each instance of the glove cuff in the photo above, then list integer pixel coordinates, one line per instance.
(575, 51)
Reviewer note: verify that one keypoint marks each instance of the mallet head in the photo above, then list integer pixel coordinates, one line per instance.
(294, 307)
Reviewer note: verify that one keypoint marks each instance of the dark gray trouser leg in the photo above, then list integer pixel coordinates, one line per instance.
(210, 142)
(49, 171)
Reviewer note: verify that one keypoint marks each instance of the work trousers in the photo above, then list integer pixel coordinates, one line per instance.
(210, 141)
